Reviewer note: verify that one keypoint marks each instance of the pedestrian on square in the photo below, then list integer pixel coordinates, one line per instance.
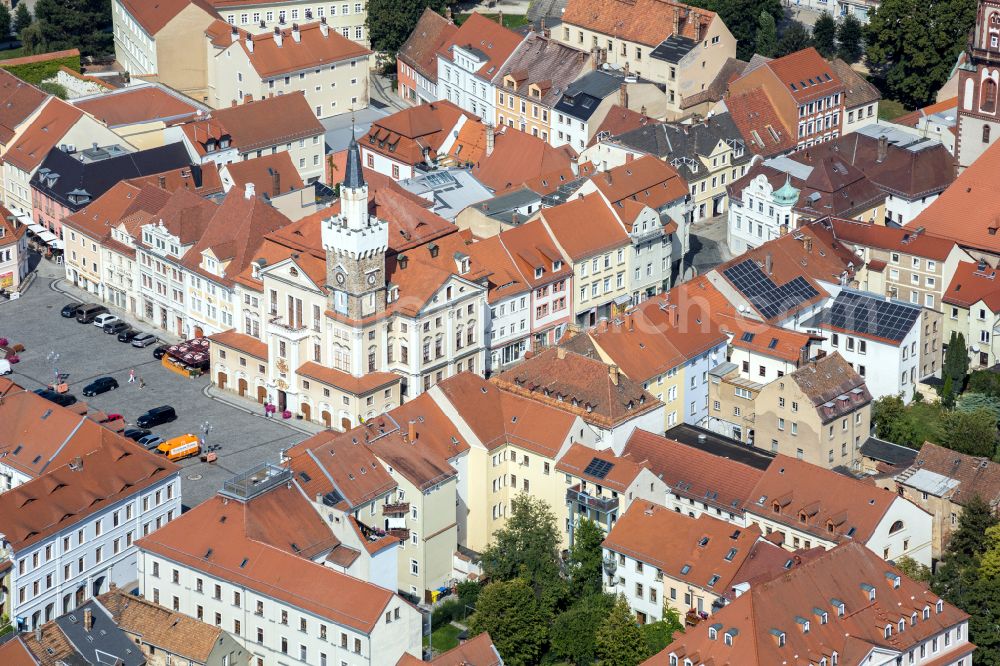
(142, 383)
(131, 376)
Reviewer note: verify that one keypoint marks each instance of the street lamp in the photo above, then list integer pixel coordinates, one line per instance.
(53, 358)
(206, 428)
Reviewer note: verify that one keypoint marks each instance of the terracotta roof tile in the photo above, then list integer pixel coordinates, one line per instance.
(578, 458)
(647, 22)
(976, 476)
(419, 51)
(18, 100)
(693, 473)
(833, 386)
(141, 104)
(312, 49)
(913, 118)
(971, 284)
(44, 132)
(618, 121)
(262, 171)
(488, 37)
(358, 386)
(15, 653)
(974, 198)
(783, 604)
(859, 91)
(696, 551)
(241, 342)
(519, 157)
(760, 122)
(405, 135)
(202, 179)
(648, 180)
(334, 462)
(579, 385)
(806, 75)
(905, 241)
(213, 537)
(154, 16)
(160, 627)
(603, 230)
(478, 651)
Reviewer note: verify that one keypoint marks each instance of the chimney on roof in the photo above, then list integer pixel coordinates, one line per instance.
(447, 13)
(769, 264)
(696, 19)
(38, 633)
(249, 42)
(883, 147)
(613, 374)
(88, 619)
(808, 243)
(500, 17)
(248, 191)
(235, 34)
(277, 36)
(677, 20)
(513, 218)
(323, 27)
(545, 31)
(112, 586)
(411, 431)
(76, 464)
(491, 138)
(162, 182)
(296, 35)
(275, 182)
(623, 95)
(560, 353)
(626, 70)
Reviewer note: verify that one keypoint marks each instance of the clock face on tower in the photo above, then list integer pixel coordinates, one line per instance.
(341, 278)
(371, 279)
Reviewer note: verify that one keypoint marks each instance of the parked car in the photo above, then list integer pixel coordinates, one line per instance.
(160, 351)
(143, 340)
(135, 434)
(100, 385)
(86, 314)
(62, 399)
(181, 447)
(5, 367)
(150, 442)
(116, 328)
(157, 416)
(102, 320)
(70, 310)
(127, 335)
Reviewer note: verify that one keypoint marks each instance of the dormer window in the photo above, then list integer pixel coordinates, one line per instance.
(927, 613)
(556, 265)
(539, 272)
(940, 606)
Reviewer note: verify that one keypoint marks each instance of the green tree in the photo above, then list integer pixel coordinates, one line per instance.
(767, 35)
(742, 17)
(956, 360)
(970, 401)
(390, 22)
(970, 537)
(973, 433)
(32, 39)
(849, 36)
(22, 17)
(585, 559)
(6, 23)
(795, 38)
(619, 640)
(948, 392)
(660, 634)
(984, 381)
(515, 620)
(912, 45)
(824, 35)
(528, 547)
(914, 569)
(82, 24)
(573, 633)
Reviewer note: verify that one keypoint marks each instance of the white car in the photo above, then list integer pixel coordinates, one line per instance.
(102, 320)
(4, 367)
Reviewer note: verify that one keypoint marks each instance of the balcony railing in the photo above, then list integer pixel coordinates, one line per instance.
(400, 508)
(581, 497)
(400, 533)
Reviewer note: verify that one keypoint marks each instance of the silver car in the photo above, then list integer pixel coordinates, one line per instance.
(143, 340)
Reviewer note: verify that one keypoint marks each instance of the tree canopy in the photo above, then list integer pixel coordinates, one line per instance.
(849, 36)
(82, 24)
(22, 17)
(515, 620)
(585, 559)
(574, 632)
(619, 639)
(742, 17)
(912, 45)
(767, 35)
(390, 22)
(973, 433)
(795, 38)
(824, 34)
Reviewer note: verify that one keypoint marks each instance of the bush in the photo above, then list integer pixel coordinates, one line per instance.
(449, 611)
(53, 88)
(36, 72)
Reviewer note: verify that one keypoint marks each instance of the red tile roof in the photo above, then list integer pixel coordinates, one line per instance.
(646, 22)
(710, 549)
(405, 135)
(618, 121)
(486, 36)
(976, 476)
(578, 457)
(478, 651)
(216, 537)
(971, 284)
(262, 171)
(420, 49)
(755, 619)
(913, 118)
(806, 75)
(825, 498)
(142, 104)
(317, 45)
(241, 342)
(154, 16)
(346, 382)
(44, 133)
(690, 472)
(604, 231)
(339, 461)
(903, 240)
(767, 340)
(974, 199)
(18, 100)
(648, 180)
(517, 158)
(760, 122)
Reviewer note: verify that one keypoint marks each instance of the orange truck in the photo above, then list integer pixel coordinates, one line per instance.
(181, 447)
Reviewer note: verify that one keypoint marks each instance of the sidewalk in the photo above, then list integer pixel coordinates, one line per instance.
(254, 408)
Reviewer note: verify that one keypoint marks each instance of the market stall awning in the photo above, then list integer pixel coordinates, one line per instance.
(47, 236)
(34, 227)
(192, 352)
(24, 219)
(57, 244)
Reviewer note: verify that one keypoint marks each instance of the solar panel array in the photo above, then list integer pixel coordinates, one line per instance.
(598, 468)
(869, 315)
(769, 299)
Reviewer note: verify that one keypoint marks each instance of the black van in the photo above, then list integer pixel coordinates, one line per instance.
(157, 416)
(88, 313)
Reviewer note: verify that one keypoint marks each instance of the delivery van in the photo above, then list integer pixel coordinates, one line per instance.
(181, 447)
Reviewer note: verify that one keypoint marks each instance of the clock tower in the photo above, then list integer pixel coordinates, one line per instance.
(978, 79)
(355, 243)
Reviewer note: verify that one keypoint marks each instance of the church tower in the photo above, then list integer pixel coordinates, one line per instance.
(978, 79)
(355, 244)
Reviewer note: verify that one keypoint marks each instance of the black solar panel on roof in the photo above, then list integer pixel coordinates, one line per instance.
(768, 298)
(598, 468)
(868, 315)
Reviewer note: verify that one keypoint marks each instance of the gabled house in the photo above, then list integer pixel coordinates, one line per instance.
(416, 61)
